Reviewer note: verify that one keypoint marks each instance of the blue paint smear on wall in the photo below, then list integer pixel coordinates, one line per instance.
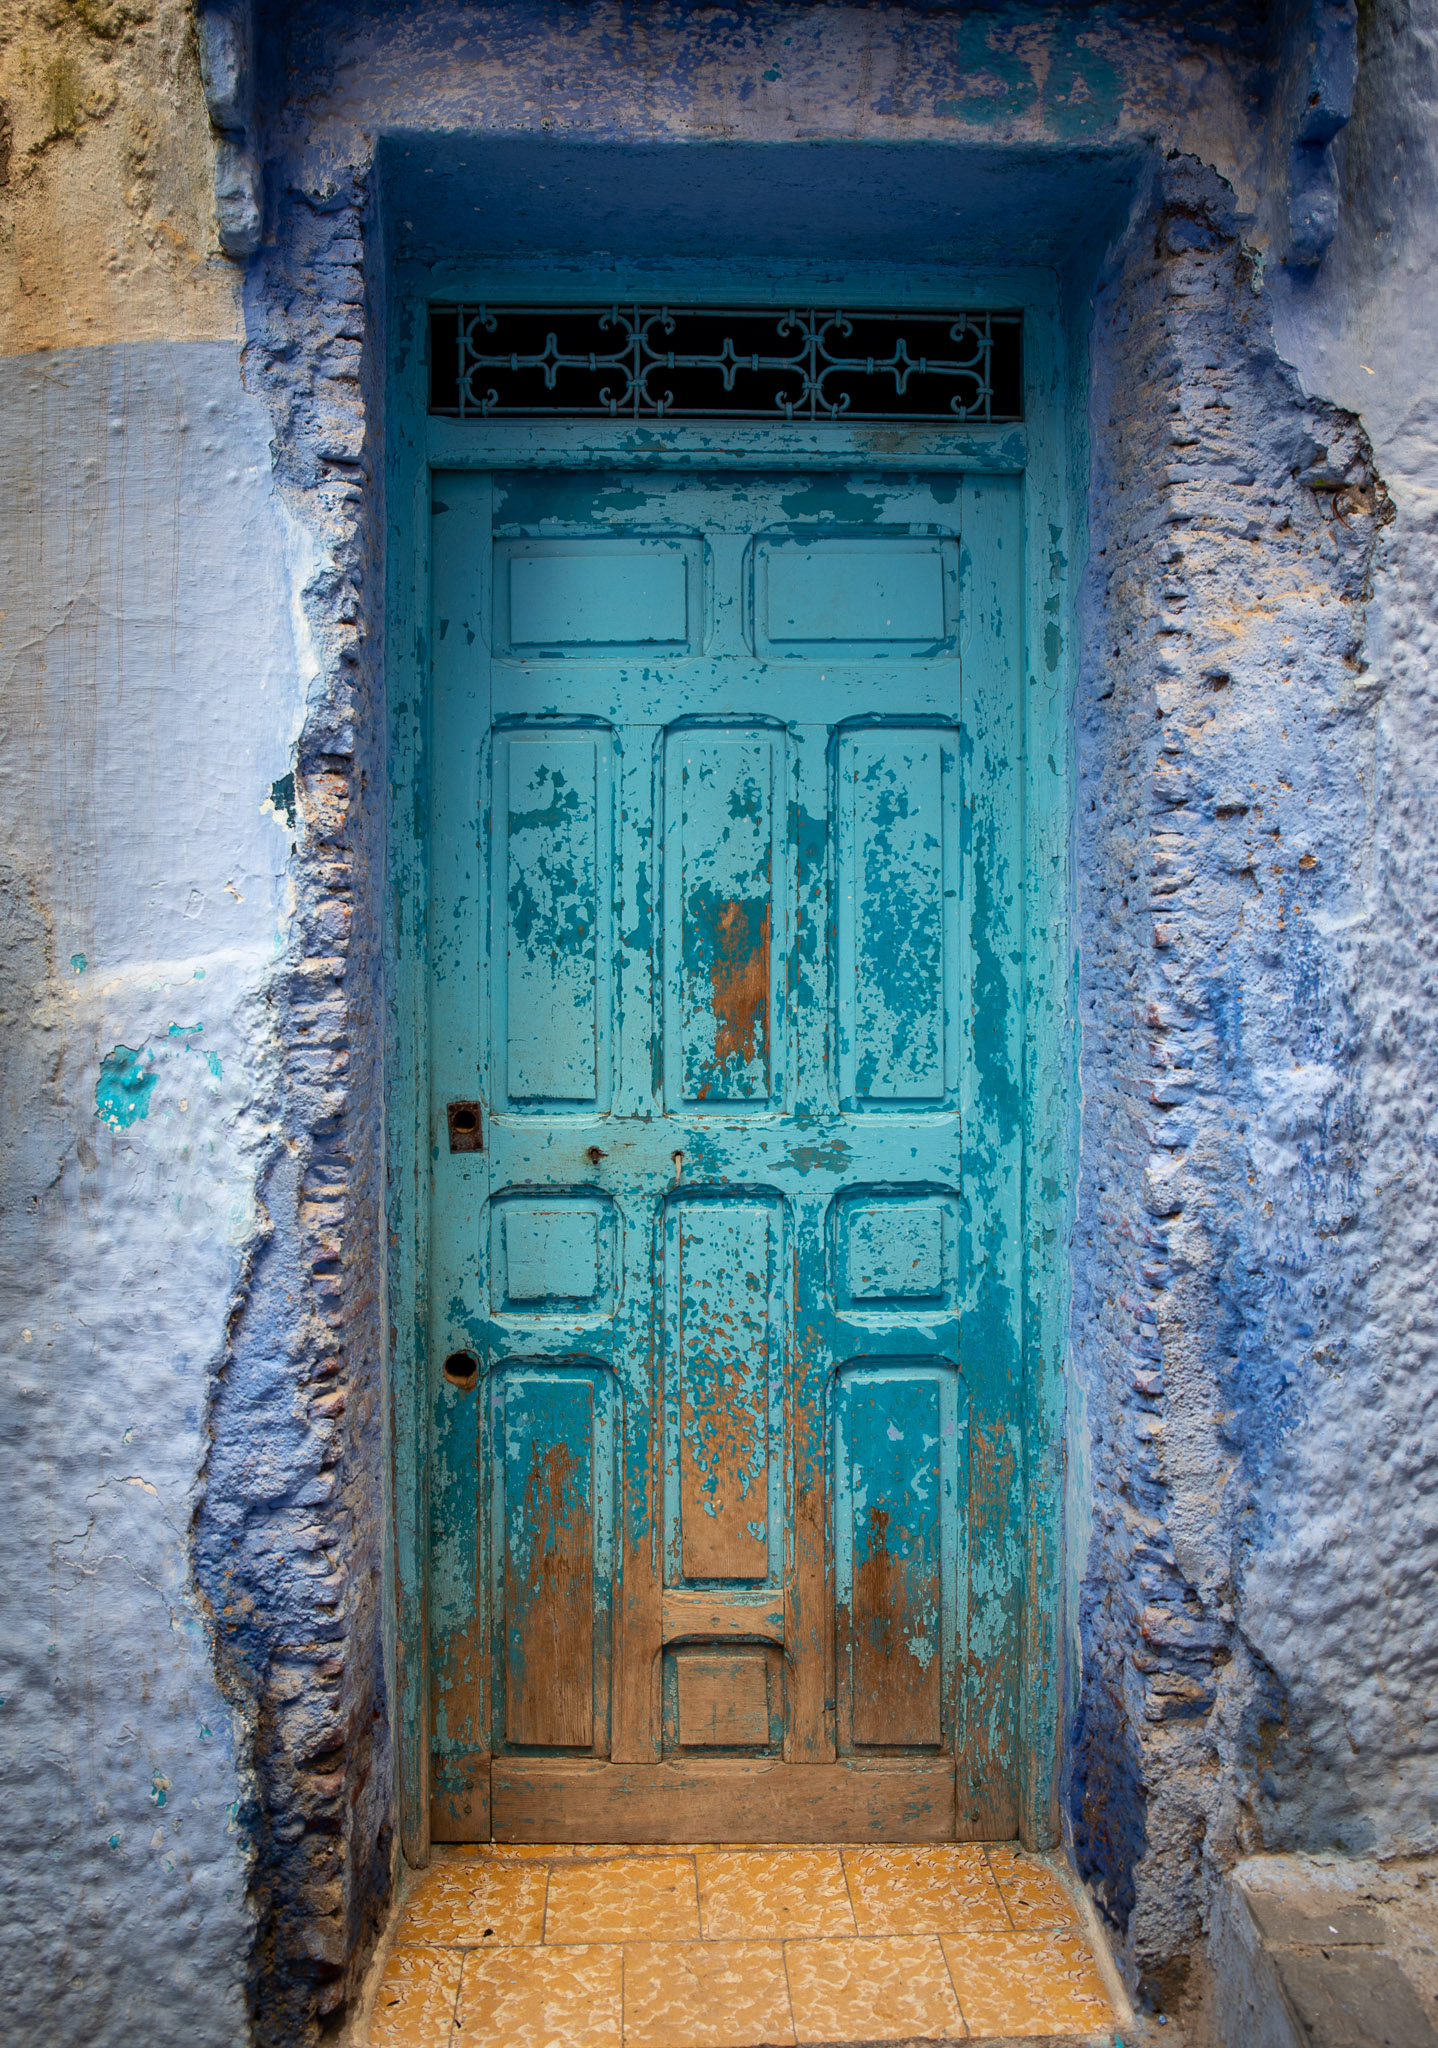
(127, 1081)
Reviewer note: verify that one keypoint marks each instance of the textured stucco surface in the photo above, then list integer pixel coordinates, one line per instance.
(149, 668)
(195, 1726)
(1255, 1249)
(107, 212)
(1226, 736)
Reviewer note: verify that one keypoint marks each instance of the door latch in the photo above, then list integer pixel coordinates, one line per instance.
(466, 1131)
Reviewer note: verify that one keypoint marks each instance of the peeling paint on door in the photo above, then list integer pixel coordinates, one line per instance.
(746, 1188)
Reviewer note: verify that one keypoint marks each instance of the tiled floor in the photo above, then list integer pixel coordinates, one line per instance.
(508, 1947)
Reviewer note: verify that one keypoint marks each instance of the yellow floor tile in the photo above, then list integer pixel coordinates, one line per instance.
(639, 1898)
(560, 1852)
(1033, 1894)
(414, 2007)
(889, 1990)
(705, 1994)
(748, 1893)
(712, 1849)
(1026, 1984)
(931, 1889)
(471, 1905)
(541, 1998)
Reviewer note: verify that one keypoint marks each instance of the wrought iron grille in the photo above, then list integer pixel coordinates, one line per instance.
(701, 362)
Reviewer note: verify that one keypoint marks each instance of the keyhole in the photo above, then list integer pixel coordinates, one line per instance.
(594, 1155)
(678, 1158)
(461, 1369)
(466, 1132)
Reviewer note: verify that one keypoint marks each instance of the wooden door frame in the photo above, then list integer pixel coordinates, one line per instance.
(1040, 451)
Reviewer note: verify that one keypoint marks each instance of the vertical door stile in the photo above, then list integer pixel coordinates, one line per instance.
(459, 1611)
(809, 1579)
(635, 1731)
(993, 1145)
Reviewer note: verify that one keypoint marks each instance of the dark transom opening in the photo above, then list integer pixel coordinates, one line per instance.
(704, 362)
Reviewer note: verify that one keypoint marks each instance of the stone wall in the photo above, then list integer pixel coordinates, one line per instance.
(1226, 741)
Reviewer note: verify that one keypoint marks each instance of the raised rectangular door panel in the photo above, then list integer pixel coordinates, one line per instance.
(724, 917)
(551, 918)
(552, 1255)
(723, 1698)
(899, 1468)
(585, 598)
(898, 819)
(727, 1533)
(870, 598)
(724, 1347)
(896, 1254)
(554, 1509)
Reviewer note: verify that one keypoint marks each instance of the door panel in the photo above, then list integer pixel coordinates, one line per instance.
(725, 932)
(724, 1339)
(554, 1508)
(724, 924)
(898, 817)
(553, 940)
(898, 1497)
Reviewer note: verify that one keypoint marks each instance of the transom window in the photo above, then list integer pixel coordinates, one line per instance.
(706, 362)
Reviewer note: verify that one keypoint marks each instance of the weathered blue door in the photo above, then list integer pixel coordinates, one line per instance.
(727, 965)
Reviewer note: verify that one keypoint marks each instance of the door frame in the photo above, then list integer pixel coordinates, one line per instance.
(1041, 451)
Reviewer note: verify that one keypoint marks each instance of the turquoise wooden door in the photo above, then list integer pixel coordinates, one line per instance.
(727, 970)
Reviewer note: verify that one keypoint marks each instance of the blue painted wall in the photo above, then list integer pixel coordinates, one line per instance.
(150, 669)
(195, 1720)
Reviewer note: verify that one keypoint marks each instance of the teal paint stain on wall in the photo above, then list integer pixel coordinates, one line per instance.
(999, 84)
(123, 1091)
(282, 799)
(1081, 94)
(212, 1060)
(77, 963)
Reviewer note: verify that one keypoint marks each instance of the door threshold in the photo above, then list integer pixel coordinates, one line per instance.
(761, 1945)
(728, 1799)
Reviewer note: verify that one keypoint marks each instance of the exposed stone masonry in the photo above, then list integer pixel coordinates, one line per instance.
(1226, 732)
(290, 1535)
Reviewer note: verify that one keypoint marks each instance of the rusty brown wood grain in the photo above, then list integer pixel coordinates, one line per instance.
(723, 1699)
(549, 1683)
(542, 1799)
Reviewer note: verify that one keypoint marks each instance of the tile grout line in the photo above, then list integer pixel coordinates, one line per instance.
(849, 1890)
(458, 1987)
(958, 2002)
(789, 1991)
(998, 1887)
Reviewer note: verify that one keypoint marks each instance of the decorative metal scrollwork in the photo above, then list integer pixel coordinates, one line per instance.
(702, 362)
